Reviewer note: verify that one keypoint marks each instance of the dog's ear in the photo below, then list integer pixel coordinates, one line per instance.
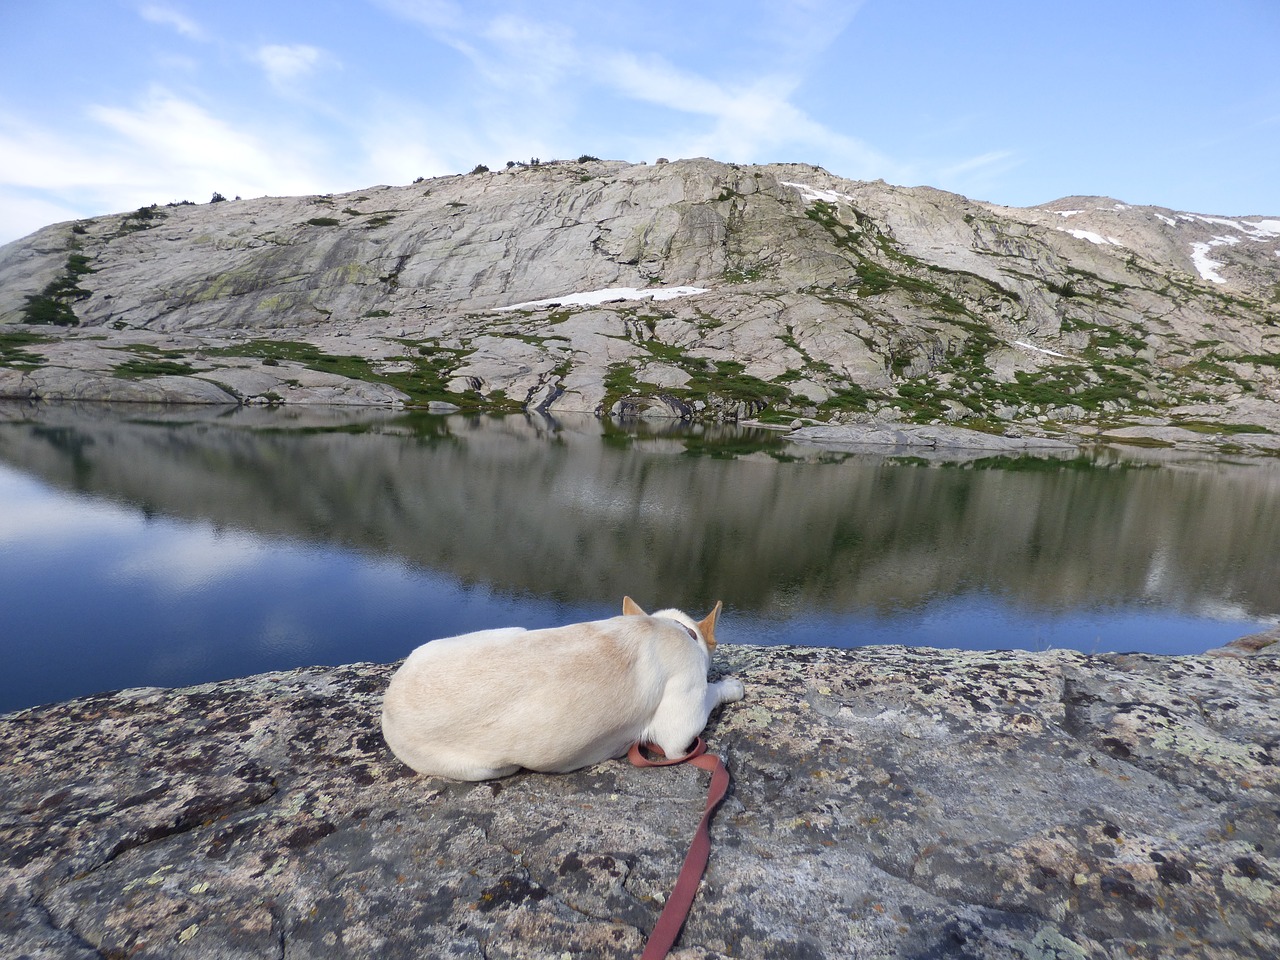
(708, 626)
(631, 609)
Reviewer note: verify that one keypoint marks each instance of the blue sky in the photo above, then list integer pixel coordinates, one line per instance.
(106, 105)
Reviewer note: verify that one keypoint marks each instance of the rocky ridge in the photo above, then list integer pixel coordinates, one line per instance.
(887, 802)
(692, 289)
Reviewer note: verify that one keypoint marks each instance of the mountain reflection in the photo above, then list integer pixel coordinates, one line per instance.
(582, 513)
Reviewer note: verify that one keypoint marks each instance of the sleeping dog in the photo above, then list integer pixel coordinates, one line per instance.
(484, 705)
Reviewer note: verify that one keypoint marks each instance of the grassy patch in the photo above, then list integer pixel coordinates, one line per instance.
(718, 384)
(324, 221)
(1061, 386)
(147, 368)
(1102, 337)
(1261, 359)
(13, 352)
(619, 381)
(726, 380)
(849, 398)
(153, 351)
(743, 274)
(1229, 429)
(433, 367)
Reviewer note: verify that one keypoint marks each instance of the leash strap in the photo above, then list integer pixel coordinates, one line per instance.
(673, 915)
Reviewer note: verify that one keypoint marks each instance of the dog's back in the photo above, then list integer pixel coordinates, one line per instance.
(485, 704)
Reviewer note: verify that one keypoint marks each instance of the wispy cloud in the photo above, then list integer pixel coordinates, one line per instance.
(537, 79)
(509, 86)
(979, 176)
(183, 137)
(749, 120)
(160, 148)
(284, 63)
(432, 14)
(169, 17)
(994, 161)
(526, 54)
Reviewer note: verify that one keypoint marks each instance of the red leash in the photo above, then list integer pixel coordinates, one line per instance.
(676, 911)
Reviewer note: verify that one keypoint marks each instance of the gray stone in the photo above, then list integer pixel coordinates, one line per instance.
(887, 802)
(820, 297)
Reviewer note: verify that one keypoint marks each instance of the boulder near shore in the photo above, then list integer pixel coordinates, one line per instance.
(887, 802)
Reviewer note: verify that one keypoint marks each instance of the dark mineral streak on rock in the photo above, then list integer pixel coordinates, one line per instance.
(887, 802)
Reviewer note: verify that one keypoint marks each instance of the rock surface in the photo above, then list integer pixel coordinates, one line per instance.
(692, 289)
(887, 802)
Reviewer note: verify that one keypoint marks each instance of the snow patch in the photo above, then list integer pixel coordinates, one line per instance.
(1031, 346)
(592, 298)
(813, 193)
(1094, 237)
(1204, 266)
(1259, 230)
(1064, 214)
(1169, 220)
(1252, 230)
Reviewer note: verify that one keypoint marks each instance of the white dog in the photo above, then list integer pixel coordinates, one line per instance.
(483, 705)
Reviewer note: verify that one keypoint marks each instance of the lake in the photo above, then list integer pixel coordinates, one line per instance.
(153, 546)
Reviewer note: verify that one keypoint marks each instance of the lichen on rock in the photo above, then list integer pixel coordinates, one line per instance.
(887, 802)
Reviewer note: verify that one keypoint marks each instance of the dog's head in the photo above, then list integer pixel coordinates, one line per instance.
(704, 629)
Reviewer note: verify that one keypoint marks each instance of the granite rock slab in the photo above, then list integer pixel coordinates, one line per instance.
(886, 802)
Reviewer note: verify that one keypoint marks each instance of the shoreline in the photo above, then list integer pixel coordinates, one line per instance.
(870, 434)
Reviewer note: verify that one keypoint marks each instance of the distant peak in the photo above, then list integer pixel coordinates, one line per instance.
(1083, 203)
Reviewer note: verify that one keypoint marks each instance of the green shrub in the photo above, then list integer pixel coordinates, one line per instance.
(44, 309)
(323, 222)
(1261, 359)
(140, 219)
(52, 305)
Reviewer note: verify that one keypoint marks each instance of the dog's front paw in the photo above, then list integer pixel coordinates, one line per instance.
(731, 689)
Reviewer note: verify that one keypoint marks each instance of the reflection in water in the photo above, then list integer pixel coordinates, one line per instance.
(223, 543)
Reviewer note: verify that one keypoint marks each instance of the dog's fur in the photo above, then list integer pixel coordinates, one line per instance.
(483, 705)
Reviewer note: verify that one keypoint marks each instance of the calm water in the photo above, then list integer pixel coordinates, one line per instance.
(163, 548)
